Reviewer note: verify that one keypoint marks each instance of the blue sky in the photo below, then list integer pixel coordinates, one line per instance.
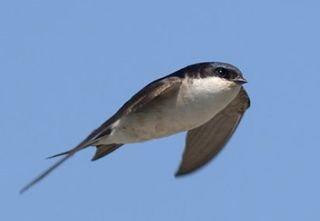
(66, 66)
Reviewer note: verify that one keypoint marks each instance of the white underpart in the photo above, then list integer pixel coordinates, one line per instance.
(197, 101)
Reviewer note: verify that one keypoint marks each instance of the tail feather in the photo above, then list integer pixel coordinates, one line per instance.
(103, 150)
(103, 131)
(60, 154)
(68, 154)
(45, 173)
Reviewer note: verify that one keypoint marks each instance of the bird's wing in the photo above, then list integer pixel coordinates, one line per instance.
(159, 88)
(205, 142)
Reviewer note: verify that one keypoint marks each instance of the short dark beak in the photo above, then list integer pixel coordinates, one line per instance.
(240, 81)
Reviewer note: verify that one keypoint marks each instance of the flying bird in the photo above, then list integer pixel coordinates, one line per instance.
(205, 99)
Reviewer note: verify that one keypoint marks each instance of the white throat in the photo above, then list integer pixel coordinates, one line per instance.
(212, 94)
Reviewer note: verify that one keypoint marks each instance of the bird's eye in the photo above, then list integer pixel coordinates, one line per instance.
(222, 72)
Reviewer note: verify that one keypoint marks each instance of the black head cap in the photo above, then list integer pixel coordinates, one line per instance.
(224, 70)
(209, 69)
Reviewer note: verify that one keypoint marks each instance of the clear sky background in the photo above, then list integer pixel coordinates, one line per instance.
(66, 66)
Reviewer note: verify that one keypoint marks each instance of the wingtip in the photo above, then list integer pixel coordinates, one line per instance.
(94, 158)
(181, 173)
(185, 171)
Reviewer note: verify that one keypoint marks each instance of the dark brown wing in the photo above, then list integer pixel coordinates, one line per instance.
(162, 87)
(203, 143)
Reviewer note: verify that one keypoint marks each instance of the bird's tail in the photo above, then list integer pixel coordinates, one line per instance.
(103, 150)
(68, 154)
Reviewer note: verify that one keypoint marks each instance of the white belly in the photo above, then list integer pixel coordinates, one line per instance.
(197, 101)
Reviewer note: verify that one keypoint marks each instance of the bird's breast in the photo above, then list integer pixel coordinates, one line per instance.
(196, 102)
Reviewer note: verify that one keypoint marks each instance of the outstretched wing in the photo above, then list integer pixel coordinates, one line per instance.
(205, 142)
(159, 88)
